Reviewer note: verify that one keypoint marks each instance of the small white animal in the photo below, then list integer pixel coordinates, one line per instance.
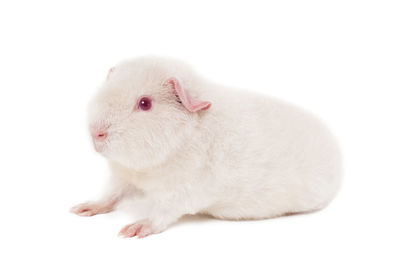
(191, 146)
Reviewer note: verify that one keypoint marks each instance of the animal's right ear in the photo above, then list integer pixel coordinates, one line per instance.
(190, 103)
(109, 72)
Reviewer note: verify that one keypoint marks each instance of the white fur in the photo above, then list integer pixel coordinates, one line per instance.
(247, 157)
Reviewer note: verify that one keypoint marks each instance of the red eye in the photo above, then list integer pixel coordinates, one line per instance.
(145, 103)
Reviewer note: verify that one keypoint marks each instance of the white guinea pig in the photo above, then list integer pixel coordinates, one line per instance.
(191, 146)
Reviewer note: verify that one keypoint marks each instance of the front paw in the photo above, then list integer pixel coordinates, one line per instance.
(140, 229)
(89, 209)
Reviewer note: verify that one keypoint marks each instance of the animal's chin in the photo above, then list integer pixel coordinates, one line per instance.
(99, 147)
(127, 161)
(126, 157)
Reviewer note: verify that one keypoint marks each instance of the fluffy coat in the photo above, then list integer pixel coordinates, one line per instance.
(228, 153)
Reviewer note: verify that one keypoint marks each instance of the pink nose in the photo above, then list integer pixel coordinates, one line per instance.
(99, 136)
(99, 131)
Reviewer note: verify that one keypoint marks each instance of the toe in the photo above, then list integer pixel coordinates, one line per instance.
(144, 233)
(86, 213)
(140, 229)
(130, 230)
(75, 209)
(83, 210)
(146, 230)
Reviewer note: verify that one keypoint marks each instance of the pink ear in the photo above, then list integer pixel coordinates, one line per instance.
(109, 72)
(188, 102)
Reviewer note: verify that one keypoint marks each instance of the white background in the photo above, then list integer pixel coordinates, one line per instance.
(339, 59)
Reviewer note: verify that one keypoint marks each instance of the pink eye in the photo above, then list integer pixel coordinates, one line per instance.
(145, 103)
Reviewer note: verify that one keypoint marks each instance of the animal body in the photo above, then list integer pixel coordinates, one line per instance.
(191, 146)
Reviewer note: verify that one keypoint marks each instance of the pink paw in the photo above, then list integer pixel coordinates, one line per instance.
(89, 209)
(140, 229)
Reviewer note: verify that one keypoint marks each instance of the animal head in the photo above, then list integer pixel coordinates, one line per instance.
(145, 111)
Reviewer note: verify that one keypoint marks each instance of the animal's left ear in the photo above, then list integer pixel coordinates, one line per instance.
(187, 101)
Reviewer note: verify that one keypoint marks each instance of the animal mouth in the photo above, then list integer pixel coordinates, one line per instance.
(99, 146)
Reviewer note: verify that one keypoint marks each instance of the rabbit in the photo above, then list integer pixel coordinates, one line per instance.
(190, 146)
